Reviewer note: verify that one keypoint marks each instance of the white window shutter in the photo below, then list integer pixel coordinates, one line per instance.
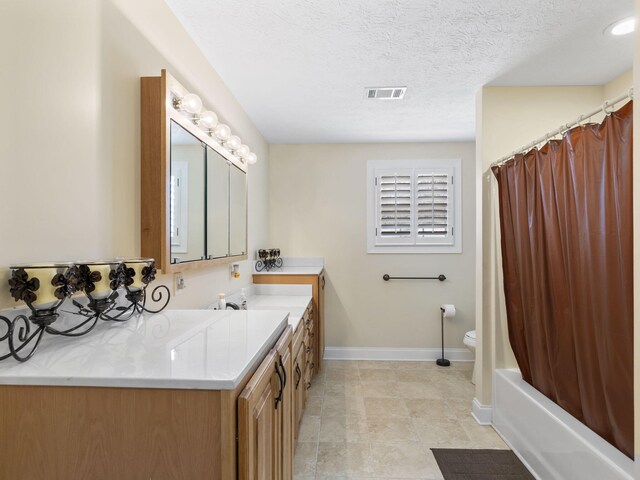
(434, 206)
(394, 207)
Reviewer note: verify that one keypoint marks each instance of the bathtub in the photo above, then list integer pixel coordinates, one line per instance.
(552, 443)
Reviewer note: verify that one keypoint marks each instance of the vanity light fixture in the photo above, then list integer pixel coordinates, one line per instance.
(45, 287)
(190, 103)
(242, 151)
(622, 27)
(233, 142)
(222, 132)
(208, 120)
(251, 158)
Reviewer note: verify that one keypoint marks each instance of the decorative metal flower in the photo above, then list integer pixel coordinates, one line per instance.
(84, 279)
(22, 287)
(66, 283)
(122, 275)
(149, 273)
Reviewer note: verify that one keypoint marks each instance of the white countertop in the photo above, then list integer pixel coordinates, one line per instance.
(193, 349)
(295, 266)
(291, 298)
(308, 270)
(294, 304)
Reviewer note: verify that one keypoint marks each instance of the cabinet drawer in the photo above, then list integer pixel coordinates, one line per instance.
(309, 369)
(308, 320)
(298, 337)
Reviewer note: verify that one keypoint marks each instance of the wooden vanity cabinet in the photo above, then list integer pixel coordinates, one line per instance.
(104, 433)
(317, 283)
(265, 418)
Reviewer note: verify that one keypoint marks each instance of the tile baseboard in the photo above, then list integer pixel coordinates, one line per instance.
(399, 354)
(482, 414)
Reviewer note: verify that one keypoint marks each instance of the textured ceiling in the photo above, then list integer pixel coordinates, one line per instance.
(299, 68)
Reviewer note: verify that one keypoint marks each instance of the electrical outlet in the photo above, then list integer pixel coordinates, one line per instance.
(178, 283)
(234, 270)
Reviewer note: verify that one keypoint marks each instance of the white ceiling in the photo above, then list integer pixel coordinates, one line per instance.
(299, 68)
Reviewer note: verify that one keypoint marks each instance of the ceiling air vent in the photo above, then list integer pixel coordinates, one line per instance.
(385, 93)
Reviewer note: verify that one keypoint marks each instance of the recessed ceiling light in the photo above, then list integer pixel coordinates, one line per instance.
(622, 27)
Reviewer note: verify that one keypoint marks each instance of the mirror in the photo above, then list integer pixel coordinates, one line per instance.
(193, 189)
(237, 211)
(217, 194)
(186, 197)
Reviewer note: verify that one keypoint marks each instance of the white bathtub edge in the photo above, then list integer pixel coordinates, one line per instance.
(552, 443)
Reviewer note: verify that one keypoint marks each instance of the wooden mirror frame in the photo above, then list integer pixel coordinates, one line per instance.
(156, 114)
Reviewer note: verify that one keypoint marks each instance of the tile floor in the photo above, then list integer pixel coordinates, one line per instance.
(371, 420)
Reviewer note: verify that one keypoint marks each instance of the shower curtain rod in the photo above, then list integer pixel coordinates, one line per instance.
(566, 127)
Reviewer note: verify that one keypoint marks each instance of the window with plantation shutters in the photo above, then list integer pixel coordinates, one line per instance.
(395, 199)
(413, 205)
(434, 206)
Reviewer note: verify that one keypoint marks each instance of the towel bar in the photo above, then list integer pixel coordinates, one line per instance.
(386, 277)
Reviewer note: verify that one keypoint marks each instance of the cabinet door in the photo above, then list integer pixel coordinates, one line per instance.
(217, 199)
(299, 387)
(285, 407)
(187, 196)
(257, 427)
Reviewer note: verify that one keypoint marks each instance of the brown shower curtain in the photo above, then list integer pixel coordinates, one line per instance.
(567, 253)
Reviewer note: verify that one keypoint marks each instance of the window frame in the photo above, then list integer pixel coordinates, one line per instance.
(414, 244)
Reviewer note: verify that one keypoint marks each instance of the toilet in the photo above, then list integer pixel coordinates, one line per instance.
(470, 341)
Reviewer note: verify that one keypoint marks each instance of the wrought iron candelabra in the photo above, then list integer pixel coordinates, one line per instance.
(268, 259)
(44, 289)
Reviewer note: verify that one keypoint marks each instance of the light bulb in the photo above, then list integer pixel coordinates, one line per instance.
(251, 158)
(242, 151)
(191, 103)
(222, 132)
(623, 27)
(208, 120)
(233, 143)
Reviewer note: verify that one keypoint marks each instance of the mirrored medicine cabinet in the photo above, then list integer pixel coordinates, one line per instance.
(194, 191)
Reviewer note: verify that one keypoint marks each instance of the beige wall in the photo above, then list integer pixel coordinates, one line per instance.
(70, 144)
(507, 119)
(618, 85)
(318, 207)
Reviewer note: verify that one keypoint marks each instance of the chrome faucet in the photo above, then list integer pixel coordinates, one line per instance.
(233, 306)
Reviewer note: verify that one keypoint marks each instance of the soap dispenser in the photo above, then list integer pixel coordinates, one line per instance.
(222, 303)
(243, 299)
